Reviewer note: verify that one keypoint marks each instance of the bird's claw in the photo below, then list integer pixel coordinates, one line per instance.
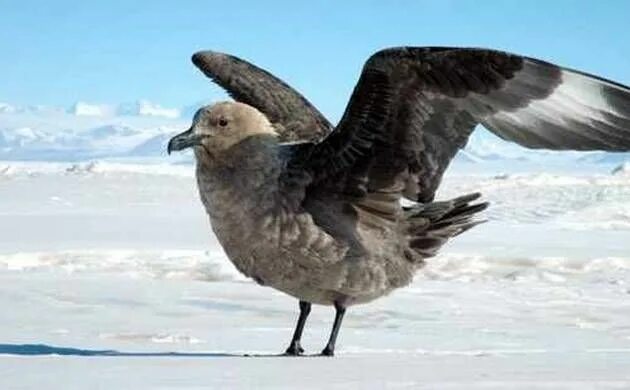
(328, 352)
(295, 349)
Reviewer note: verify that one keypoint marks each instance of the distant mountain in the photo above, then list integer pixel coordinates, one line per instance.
(155, 145)
(142, 129)
(142, 108)
(6, 108)
(146, 108)
(85, 131)
(87, 109)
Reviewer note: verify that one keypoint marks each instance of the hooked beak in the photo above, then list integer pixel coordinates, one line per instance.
(183, 141)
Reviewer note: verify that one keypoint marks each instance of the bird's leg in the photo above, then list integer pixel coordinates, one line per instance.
(340, 309)
(295, 348)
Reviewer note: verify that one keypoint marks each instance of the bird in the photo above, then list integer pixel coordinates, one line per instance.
(342, 215)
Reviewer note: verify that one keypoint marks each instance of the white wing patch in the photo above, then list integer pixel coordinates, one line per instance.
(576, 115)
(581, 91)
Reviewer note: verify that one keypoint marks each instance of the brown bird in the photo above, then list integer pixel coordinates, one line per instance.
(314, 210)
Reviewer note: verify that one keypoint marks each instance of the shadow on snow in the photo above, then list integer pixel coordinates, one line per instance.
(43, 350)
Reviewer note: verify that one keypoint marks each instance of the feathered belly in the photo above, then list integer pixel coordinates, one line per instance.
(291, 252)
(303, 271)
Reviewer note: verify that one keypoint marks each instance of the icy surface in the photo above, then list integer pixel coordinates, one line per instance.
(109, 276)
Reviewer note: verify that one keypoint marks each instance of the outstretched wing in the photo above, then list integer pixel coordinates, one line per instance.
(292, 115)
(414, 108)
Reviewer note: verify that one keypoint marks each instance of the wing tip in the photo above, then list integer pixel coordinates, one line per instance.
(463, 199)
(202, 57)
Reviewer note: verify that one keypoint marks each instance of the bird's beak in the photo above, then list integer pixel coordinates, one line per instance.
(183, 140)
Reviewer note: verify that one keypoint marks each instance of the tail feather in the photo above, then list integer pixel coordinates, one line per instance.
(431, 225)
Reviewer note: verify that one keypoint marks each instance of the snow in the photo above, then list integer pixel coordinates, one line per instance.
(83, 133)
(109, 275)
(6, 108)
(87, 109)
(146, 108)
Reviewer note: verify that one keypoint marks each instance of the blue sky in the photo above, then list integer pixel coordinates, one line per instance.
(58, 52)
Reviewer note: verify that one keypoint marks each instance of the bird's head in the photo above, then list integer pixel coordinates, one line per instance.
(218, 127)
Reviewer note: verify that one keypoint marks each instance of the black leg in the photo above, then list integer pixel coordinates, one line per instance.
(330, 347)
(295, 348)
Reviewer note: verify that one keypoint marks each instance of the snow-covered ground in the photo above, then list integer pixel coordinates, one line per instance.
(110, 277)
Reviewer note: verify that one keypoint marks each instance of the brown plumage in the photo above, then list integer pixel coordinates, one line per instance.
(321, 219)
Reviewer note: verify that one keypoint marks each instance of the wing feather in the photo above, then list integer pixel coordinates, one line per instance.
(294, 117)
(414, 108)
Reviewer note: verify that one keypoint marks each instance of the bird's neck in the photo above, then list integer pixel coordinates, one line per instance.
(256, 213)
(242, 184)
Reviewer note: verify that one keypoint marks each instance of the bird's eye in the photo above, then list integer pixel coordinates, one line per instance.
(223, 122)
